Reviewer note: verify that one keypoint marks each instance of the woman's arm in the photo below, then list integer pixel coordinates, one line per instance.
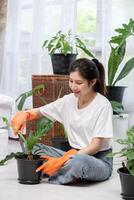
(93, 147)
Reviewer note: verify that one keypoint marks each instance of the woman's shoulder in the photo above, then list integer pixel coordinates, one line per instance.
(102, 100)
(69, 96)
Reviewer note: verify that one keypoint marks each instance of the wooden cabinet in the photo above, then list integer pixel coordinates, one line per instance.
(55, 85)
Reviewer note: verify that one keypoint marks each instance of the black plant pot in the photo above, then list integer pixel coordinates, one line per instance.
(127, 184)
(61, 143)
(61, 63)
(115, 93)
(27, 170)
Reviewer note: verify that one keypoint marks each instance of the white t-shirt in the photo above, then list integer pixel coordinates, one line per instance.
(81, 125)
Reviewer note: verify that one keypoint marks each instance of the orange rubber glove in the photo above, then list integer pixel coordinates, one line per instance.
(54, 164)
(18, 122)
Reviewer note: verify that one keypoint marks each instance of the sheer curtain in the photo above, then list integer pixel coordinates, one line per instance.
(9, 71)
(29, 23)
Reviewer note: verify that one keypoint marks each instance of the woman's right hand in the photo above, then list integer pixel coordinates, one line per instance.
(18, 122)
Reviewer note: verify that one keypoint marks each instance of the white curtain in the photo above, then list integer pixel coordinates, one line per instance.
(9, 71)
(29, 23)
(103, 31)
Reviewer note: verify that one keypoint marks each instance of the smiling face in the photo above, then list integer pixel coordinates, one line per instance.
(80, 86)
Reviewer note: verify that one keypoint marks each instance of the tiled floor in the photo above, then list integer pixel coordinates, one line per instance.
(10, 189)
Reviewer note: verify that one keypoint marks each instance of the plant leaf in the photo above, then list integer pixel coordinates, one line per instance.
(126, 70)
(45, 43)
(124, 33)
(9, 157)
(116, 57)
(118, 47)
(130, 167)
(22, 98)
(80, 44)
(43, 126)
(117, 107)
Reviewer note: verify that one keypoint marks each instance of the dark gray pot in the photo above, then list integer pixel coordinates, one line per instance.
(127, 184)
(61, 63)
(27, 170)
(115, 93)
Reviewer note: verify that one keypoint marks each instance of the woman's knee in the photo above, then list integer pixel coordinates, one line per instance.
(89, 168)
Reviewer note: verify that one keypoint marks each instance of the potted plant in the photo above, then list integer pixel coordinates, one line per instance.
(63, 50)
(126, 172)
(117, 54)
(27, 162)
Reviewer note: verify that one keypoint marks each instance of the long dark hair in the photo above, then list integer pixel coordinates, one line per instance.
(91, 69)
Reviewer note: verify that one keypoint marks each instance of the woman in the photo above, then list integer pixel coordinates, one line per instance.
(87, 117)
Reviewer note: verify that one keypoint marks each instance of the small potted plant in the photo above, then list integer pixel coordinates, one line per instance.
(63, 50)
(27, 162)
(126, 172)
(117, 54)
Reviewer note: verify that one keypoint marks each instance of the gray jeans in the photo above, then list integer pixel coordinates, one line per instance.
(79, 167)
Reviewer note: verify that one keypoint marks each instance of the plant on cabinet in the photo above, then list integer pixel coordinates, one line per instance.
(63, 50)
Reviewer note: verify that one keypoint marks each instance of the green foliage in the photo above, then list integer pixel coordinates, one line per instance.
(80, 44)
(117, 107)
(118, 50)
(86, 17)
(22, 97)
(5, 120)
(43, 126)
(10, 156)
(60, 43)
(65, 44)
(127, 150)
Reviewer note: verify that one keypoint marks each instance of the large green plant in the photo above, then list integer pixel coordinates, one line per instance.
(127, 150)
(118, 50)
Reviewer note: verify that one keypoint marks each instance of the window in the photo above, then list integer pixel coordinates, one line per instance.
(86, 20)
